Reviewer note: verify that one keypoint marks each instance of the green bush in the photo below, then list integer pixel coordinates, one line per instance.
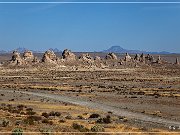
(5, 123)
(97, 128)
(79, 127)
(17, 131)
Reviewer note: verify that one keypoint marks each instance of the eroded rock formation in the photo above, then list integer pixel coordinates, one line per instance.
(127, 57)
(68, 55)
(111, 56)
(159, 61)
(86, 57)
(177, 61)
(49, 57)
(28, 55)
(137, 57)
(16, 58)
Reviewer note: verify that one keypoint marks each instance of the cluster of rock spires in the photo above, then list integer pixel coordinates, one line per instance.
(49, 57)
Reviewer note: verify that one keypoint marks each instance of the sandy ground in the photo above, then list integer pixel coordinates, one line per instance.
(148, 96)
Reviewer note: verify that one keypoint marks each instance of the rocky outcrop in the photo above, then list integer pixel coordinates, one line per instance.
(68, 55)
(142, 58)
(28, 55)
(137, 57)
(177, 61)
(86, 57)
(111, 56)
(159, 61)
(49, 57)
(127, 57)
(149, 58)
(97, 58)
(16, 58)
(35, 60)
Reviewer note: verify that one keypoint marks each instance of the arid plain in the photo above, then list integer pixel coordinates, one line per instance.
(95, 92)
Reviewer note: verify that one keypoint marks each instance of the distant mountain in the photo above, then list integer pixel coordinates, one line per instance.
(55, 50)
(2, 51)
(20, 49)
(119, 49)
(116, 49)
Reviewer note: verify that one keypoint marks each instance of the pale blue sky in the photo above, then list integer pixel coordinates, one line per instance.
(90, 27)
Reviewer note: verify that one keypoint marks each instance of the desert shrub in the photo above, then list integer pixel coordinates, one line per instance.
(35, 118)
(45, 131)
(123, 118)
(46, 121)
(30, 113)
(57, 114)
(18, 122)
(105, 120)
(94, 115)
(80, 117)
(29, 109)
(14, 111)
(20, 107)
(11, 99)
(17, 131)
(79, 127)
(22, 113)
(68, 117)
(97, 128)
(100, 120)
(46, 115)
(4, 123)
(62, 120)
(29, 121)
(52, 113)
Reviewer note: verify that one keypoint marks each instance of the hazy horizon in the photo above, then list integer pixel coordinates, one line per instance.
(90, 27)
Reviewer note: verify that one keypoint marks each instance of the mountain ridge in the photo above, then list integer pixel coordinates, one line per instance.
(119, 49)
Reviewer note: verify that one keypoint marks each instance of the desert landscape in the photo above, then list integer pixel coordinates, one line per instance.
(88, 93)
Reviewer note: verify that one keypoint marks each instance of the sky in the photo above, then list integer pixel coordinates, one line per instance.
(90, 27)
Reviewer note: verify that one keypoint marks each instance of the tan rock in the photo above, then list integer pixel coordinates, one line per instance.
(97, 58)
(127, 57)
(111, 56)
(137, 57)
(177, 61)
(28, 55)
(16, 58)
(68, 55)
(142, 58)
(159, 60)
(86, 57)
(49, 57)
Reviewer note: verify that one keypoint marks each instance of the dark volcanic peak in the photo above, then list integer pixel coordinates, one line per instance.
(115, 49)
(119, 49)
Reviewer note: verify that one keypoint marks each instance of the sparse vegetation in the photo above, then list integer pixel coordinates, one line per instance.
(79, 127)
(94, 115)
(17, 131)
(97, 128)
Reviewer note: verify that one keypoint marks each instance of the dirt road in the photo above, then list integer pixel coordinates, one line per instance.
(103, 107)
